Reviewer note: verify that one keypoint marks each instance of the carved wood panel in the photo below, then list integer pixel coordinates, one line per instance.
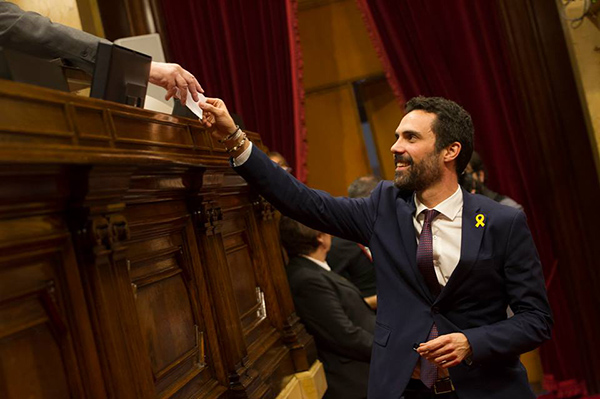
(164, 280)
(132, 261)
(41, 314)
(249, 294)
(257, 306)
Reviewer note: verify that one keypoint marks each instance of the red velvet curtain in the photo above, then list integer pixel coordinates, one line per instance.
(248, 54)
(458, 49)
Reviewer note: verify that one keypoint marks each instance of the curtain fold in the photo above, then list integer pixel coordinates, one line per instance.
(247, 53)
(458, 49)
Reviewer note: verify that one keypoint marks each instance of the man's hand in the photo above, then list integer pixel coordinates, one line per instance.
(172, 76)
(216, 113)
(446, 350)
(371, 301)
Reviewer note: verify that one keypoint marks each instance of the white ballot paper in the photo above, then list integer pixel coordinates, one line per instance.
(192, 106)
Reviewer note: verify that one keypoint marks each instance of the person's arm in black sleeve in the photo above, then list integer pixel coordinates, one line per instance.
(31, 33)
(34, 34)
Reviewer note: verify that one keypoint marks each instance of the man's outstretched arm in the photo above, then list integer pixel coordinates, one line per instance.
(344, 217)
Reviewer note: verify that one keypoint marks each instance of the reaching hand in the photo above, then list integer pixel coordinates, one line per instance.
(446, 350)
(172, 76)
(216, 113)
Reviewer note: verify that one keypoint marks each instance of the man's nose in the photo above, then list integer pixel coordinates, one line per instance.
(397, 147)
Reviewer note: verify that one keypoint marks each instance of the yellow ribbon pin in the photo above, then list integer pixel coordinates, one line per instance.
(480, 218)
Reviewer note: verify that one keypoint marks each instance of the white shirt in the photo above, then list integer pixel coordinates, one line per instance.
(324, 265)
(446, 231)
(243, 157)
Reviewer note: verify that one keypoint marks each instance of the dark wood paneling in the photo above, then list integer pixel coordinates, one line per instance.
(133, 261)
(165, 291)
(46, 343)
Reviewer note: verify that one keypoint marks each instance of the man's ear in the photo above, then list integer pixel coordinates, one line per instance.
(481, 176)
(452, 151)
(321, 238)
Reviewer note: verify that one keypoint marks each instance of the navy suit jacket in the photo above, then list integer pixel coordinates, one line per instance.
(499, 266)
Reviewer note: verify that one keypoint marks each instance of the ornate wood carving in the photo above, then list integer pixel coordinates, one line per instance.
(210, 217)
(106, 231)
(294, 335)
(265, 210)
(133, 263)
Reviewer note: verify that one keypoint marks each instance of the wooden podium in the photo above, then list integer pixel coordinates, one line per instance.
(134, 263)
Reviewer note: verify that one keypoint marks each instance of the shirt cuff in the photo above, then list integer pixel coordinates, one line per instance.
(243, 157)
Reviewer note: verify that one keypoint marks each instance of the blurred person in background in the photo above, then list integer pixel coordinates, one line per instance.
(473, 180)
(353, 260)
(331, 308)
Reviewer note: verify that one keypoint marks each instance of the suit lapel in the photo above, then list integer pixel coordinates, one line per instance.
(405, 210)
(472, 234)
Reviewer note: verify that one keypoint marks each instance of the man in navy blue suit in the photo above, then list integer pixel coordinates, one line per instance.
(448, 262)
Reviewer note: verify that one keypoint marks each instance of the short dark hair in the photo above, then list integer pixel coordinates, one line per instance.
(477, 163)
(297, 239)
(363, 186)
(452, 124)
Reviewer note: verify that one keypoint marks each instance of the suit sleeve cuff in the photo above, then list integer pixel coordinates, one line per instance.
(479, 347)
(243, 157)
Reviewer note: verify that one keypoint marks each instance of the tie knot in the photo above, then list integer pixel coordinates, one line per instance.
(430, 214)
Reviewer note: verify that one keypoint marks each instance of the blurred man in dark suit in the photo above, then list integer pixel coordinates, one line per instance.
(332, 309)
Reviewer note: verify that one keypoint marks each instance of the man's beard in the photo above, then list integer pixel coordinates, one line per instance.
(418, 176)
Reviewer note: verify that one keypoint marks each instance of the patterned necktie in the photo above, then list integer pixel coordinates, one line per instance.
(425, 263)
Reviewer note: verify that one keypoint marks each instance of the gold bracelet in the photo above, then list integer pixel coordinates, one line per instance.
(230, 136)
(237, 147)
(237, 136)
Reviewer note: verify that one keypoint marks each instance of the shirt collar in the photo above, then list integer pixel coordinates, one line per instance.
(450, 207)
(324, 265)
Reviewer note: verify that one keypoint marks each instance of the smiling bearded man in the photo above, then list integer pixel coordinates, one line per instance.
(415, 176)
(448, 262)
